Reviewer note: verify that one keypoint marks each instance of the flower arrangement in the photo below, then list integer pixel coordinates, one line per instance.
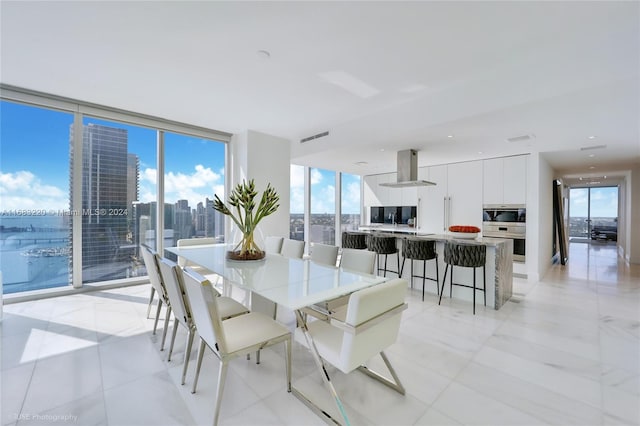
(242, 210)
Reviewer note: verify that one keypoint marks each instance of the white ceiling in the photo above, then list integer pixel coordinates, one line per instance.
(376, 75)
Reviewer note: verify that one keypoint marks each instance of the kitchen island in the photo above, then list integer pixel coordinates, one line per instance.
(498, 267)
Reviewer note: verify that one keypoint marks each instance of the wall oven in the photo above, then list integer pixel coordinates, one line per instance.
(507, 221)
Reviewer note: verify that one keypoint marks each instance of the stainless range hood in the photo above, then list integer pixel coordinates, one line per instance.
(407, 171)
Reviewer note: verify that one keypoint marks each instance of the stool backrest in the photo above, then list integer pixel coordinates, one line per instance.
(382, 245)
(468, 255)
(419, 249)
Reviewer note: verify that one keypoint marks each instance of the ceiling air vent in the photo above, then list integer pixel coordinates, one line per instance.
(589, 148)
(310, 138)
(521, 138)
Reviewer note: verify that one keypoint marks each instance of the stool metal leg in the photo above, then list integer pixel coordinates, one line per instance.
(444, 280)
(474, 291)
(484, 285)
(424, 274)
(411, 273)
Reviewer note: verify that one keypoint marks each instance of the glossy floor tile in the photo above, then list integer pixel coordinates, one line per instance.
(564, 351)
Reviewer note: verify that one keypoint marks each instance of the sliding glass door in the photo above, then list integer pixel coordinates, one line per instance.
(593, 213)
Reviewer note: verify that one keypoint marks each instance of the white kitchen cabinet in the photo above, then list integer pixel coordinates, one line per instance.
(464, 187)
(493, 186)
(394, 195)
(370, 197)
(409, 196)
(432, 200)
(515, 179)
(505, 180)
(456, 199)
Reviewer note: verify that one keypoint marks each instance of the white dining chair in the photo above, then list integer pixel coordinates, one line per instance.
(191, 242)
(273, 244)
(371, 325)
(293, 249)
(324, 253)
(173, 278)
(358, 260)
(149, 257)
(353, 260)
(231, 338)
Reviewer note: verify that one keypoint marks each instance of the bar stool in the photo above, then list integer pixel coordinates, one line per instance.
(418, 249)
(468, 256)
(354, 240)
(384, 245)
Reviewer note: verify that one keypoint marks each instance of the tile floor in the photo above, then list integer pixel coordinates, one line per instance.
(563, 351)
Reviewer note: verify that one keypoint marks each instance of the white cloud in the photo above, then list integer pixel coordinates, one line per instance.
(296, 176)
(25, 190)
(316, 176)
(351, 198)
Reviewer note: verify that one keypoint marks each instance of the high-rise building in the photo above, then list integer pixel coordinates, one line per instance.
(183, 226)
(106, 201)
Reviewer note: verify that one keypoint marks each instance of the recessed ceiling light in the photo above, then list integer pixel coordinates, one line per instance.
(381, 149)
(592, 137)
(479, 152)
(604, 177)
(449, 136)
(591, 155)
(263, 54)
(361, 163)
(592, 167)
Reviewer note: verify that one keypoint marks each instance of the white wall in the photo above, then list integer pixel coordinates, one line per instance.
(543, 236)
(633, 201)
(265, 158)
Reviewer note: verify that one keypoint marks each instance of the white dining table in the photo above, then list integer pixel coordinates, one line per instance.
(292, 283)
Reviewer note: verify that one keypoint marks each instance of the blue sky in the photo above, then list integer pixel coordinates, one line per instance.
(34, 165)
(604, 202)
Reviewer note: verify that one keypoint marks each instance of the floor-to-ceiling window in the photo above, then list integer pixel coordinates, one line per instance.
(115, 220)
(350, 202)
(317, 190)
(79, 189)
(35, 249)
(593, 213)
(322, 226)
(296, 203)
(194, 173)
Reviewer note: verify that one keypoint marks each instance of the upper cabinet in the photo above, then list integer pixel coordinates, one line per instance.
(505, 180)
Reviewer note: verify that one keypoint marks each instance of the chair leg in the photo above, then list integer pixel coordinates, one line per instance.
(385, 264)
(474, 291)
(438, 278)
(222, 376)
(166, 327)
(451, 283)
(395, 384)
(153, 292)
(155, 323)
(198, 365)
(287, 344)
(402, 268)
(173, 337)
(444, 280)
(187, 354)
(484, 285)
(411, 278)
(424, 274)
